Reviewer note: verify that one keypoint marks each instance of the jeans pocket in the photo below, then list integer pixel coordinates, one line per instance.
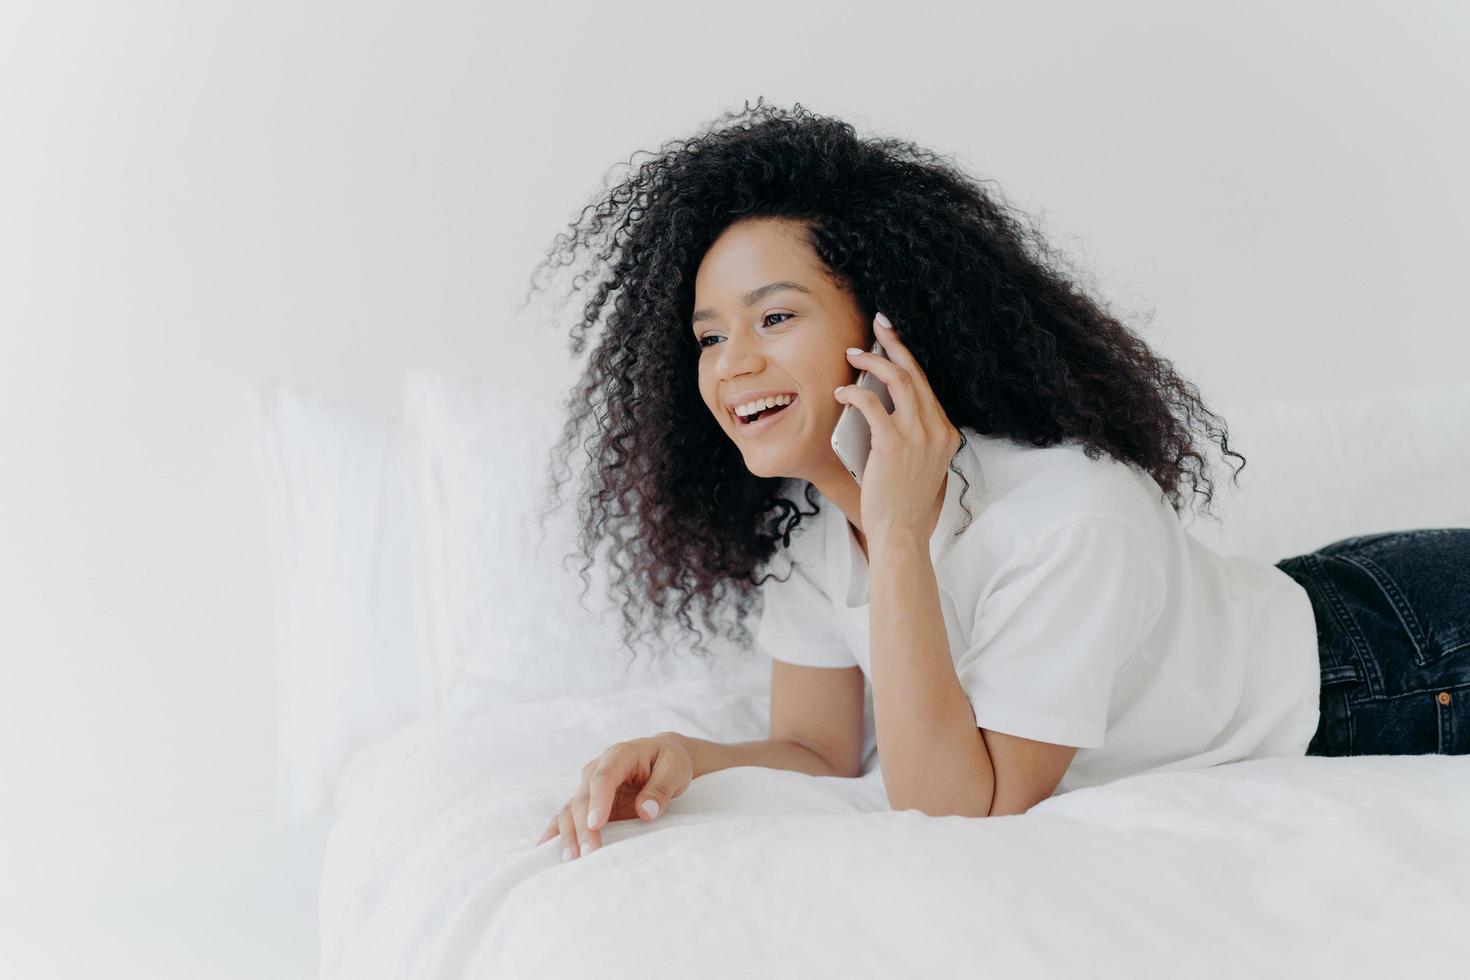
(1334, 735)
(1424, 577)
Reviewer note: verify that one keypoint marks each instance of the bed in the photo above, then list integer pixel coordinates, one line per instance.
(1343, 867)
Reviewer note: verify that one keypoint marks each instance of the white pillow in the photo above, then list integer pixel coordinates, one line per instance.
(408, 581)
(347, 672)
(502, 615)
(1321, 470)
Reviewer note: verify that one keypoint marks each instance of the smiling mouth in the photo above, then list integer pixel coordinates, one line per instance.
(763, 413)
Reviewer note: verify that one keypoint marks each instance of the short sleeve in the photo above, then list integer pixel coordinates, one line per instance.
(1060, 624)
(798, 624)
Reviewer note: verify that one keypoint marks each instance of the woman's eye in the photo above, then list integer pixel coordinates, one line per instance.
(703, 345)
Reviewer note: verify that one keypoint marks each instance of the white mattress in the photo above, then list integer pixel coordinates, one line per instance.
(1353, 867)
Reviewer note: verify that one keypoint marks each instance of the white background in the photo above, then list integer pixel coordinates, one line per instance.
(196, 197)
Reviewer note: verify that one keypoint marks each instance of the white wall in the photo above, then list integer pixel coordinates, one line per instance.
(197, 197)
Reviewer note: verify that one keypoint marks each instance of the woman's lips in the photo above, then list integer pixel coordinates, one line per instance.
(752, 429)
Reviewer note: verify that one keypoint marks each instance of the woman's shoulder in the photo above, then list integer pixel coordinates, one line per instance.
(1038, 489)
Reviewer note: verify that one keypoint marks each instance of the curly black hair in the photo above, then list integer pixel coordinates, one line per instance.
(1010, 344)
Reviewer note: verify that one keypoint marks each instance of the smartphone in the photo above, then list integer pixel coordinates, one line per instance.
(852, 439)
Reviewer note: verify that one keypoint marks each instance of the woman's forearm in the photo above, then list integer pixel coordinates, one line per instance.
(769, 753)
(932, 754)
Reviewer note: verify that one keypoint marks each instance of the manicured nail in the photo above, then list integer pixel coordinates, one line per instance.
(587, 847)
(566, 853)
(838, 389)
(650, 807)
(592, 817)
(854, 350)
(882, 321)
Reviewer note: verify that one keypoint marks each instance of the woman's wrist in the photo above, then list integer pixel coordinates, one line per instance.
(688, 745)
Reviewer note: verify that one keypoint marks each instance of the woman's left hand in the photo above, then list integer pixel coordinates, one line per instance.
(911, 448)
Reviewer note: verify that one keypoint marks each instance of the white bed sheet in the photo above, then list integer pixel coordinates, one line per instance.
(1353, 867)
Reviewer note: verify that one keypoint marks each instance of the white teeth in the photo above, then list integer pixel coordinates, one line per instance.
(750, 408)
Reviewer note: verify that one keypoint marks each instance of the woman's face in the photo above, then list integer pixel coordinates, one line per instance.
(788, 340)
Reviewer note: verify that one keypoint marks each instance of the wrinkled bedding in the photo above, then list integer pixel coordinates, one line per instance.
(1355, 867)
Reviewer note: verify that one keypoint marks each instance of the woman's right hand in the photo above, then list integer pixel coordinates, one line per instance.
(633, 779)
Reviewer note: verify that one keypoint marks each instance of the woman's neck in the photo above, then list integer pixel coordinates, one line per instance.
(848, 498)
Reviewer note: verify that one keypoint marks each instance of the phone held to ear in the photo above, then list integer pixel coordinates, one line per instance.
(852, 440)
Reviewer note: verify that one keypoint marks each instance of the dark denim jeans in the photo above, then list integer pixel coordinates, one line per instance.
(1393, 641)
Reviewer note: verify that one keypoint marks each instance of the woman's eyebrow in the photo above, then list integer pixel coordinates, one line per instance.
(755, 294)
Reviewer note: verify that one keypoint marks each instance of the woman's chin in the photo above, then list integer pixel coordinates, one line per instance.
(765, 463)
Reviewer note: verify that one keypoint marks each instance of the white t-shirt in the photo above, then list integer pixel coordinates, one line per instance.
(1080, 612)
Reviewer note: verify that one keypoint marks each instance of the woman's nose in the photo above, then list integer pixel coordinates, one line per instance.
(737, 354)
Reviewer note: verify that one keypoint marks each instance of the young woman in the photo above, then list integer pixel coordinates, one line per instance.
(1008, 606)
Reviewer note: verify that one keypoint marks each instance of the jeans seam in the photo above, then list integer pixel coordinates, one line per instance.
(1446, 727)
(1433, 689)
(1390, 588)
(1313, 573)
(1449, 650)
(1366, 663)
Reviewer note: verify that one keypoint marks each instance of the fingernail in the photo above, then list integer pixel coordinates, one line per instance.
(838, 389)
(650, 807)
(587, 847)
(592, 817)
(854, 350)
(566, 853)
(882, 321)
